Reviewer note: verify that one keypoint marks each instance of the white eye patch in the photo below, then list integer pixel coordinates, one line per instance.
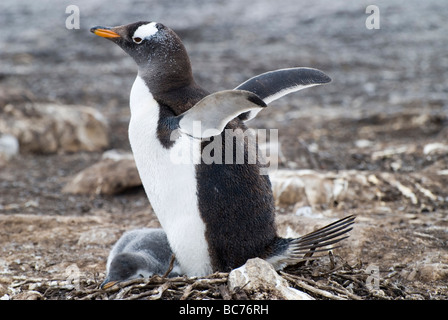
(145, 31)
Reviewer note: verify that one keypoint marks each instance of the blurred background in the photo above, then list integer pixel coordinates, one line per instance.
(230, 41)
(384, 114)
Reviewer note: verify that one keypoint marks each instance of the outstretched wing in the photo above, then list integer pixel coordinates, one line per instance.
(273, 85)
(209, 116)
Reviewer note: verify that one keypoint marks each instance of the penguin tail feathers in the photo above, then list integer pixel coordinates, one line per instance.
(292, 251)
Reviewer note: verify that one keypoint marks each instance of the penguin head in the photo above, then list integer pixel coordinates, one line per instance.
(155, 48)
(126, 266)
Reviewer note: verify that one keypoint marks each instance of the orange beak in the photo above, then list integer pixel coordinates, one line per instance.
(109, 284)
(105, 33)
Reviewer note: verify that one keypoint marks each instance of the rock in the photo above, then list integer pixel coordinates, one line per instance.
(113, 174)
(288, 190)
(305, 187)
(9, 148)
(426, 271)
(434, 272)
(52, 128)
(259, 277)
(435, 148)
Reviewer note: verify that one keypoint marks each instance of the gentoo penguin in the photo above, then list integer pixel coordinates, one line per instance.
(216, 215)
(139, 253)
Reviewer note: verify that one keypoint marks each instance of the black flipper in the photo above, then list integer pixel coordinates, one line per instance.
(273, 85)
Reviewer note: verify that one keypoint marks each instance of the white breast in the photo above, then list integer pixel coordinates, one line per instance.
(170, 185)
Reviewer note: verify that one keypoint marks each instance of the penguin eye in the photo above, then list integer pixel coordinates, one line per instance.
(137, 40)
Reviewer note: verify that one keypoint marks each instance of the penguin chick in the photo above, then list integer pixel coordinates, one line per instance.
(139, 253)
